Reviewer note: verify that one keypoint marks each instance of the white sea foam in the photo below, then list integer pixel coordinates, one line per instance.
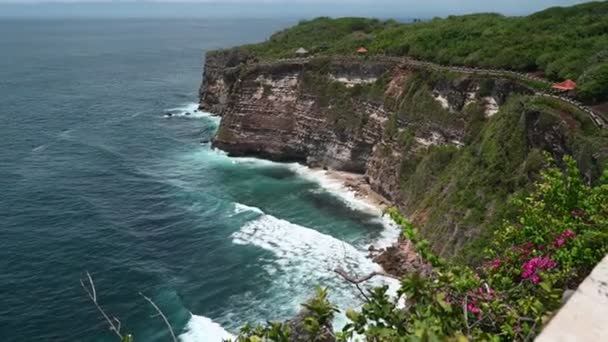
(203, 329)
(349, 197)
(332, 186)
(335, 187)
(389, 235)
(241, 208)
(306, 258)
(191, 110)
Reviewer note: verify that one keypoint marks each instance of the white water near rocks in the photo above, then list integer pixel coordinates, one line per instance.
(303, 257)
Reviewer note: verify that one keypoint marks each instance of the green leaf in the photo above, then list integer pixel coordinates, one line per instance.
(546, 285)
(440, 298)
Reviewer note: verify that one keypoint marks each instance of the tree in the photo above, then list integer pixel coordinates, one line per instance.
(593, 85)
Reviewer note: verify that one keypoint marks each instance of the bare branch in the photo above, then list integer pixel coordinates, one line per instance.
(92, 287)
(357, 281)
(532, 332)
(362, 292)
(117, 321)
(478, 321)
(93, 296)
(162, 315)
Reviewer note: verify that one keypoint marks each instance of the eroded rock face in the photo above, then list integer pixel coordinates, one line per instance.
(401, 259)
(220, 74)
(271, 110)
(269, 113)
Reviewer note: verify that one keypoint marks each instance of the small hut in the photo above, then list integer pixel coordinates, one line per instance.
(362, 51)
(301, 52)
(568, 87)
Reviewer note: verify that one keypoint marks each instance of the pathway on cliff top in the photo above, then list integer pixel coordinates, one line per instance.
(595, 117)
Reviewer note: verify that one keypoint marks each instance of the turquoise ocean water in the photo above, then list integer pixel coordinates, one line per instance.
(94, 178)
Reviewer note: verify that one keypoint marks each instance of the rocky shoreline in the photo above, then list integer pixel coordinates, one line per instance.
(361, 188)
(401, 257)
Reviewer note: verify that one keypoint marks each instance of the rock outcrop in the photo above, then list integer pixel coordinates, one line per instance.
(270, 113)
(219, 76)
(401, 259)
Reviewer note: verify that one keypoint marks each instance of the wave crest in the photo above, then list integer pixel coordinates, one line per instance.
(203, 329)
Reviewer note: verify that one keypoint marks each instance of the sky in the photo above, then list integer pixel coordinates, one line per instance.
(298, 9)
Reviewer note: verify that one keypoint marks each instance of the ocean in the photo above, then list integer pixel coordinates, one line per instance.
(94, 177)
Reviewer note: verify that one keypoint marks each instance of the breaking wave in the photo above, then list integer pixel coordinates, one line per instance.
(241, 208)
(203, 329)
(305, 258)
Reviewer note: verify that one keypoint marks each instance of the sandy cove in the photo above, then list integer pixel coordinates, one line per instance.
(356, 183)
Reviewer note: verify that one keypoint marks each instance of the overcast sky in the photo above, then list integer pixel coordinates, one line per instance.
(269, 8)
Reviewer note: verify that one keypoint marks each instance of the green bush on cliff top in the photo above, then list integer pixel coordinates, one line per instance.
(561, 42)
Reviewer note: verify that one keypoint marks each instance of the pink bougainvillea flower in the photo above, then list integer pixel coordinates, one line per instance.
(472, 308)
(568, 234)
(534, 265)
(535, 278)
(564, 237)
(578, 212)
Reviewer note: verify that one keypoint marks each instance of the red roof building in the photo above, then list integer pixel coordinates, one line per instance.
(362, 50)
(567, 85)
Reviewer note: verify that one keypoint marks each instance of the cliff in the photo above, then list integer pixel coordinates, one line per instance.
(448, 149)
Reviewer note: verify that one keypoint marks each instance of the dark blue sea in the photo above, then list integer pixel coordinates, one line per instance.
(94, 178)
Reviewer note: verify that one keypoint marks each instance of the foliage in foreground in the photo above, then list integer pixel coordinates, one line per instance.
(317, 315)
(560, 235)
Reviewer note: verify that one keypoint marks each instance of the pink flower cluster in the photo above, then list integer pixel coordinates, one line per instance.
(578, 212)
(472, 308)
(561, 240)
(532, 267)
(484, 293)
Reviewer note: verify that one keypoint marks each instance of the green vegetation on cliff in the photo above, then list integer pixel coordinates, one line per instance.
(500, 159)
(555, 239)
(458, 194)
(569, 42)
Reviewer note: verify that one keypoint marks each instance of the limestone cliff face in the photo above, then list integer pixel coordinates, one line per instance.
(219, 76)
(269, 112)
(420, 138)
